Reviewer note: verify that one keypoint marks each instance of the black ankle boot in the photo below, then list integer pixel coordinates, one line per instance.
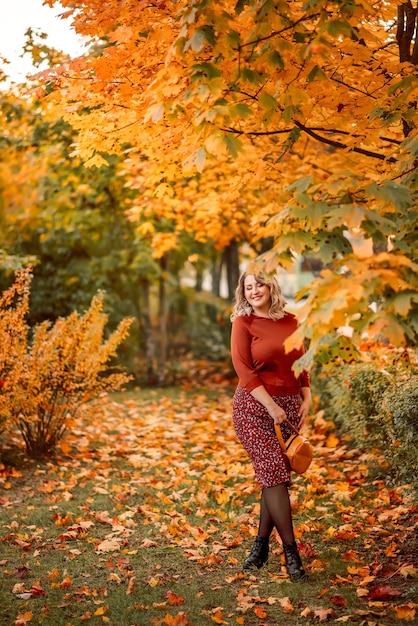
(259, 553)
(293, 563)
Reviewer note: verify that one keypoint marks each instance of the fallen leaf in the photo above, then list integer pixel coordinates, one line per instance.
(217, 617)
(383, 593)
(23, 618)
(101, 610)
(408, 570)
(174, 599)
(85, 616)
(286, 605)
(406, 612)
(332, 441)
(323, 614)
(109, 545)
(131, 586)
(177, 620)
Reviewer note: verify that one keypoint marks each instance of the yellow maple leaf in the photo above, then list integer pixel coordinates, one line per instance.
(332, 441)
(23, 618)
(286, 605)
(408, 570)
(96, 161)
(109, 545)
(406, 612)
(101, 610)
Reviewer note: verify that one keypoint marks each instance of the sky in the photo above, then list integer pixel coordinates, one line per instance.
(16, 17)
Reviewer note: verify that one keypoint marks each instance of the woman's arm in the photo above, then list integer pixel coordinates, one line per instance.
(274, 410)
(305, 392)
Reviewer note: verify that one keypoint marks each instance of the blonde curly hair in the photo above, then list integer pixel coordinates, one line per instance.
(241, 305)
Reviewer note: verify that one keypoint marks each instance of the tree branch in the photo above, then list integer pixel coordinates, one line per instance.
(279, 32)
(333, 131)
(339, 144)
(312, 132)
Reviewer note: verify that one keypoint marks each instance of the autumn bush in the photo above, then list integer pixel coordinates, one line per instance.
(376, 405)
(49, 373)
(14, 305)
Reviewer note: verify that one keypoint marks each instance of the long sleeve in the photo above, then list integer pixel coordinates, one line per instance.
(241, 355)
(304, 379)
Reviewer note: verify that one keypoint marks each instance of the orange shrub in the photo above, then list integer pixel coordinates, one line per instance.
(48, 380)
(14, 305)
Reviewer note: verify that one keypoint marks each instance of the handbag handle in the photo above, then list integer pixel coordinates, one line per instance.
(280, 436)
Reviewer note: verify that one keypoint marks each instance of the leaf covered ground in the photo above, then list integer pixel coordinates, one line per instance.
(146, 513)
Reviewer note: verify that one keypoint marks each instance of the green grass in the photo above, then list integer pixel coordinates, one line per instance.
(146, 516)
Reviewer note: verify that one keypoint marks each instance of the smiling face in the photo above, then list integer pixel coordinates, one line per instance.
(257, 295)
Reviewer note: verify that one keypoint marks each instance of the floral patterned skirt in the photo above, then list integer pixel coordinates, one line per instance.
(255, 430)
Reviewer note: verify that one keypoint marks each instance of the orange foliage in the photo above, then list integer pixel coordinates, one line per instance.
(47, 381)
(294, 121)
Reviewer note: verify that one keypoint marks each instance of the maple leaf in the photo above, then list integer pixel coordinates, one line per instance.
(177, 620)
(408, 570)
(22, 571)
(101, 610)
(85, 616)
(323, 614)
(23, 618)
(111, 544)
(174, 599)
(383, 593)
(406, 611)
(286, 605)
(131, 586)
(307, 550)
(66, 582)
(36, 589)
(217, 616)
(306, 611)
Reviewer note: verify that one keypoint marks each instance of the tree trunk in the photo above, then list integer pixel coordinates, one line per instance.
(216, 274)
(199, 279)
(147, 327)
(231, 257)
(407, 29)
(162, 322)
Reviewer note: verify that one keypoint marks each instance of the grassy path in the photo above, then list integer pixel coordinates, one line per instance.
(145, 515)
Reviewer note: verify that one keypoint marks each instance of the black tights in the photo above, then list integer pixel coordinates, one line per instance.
(275, 512)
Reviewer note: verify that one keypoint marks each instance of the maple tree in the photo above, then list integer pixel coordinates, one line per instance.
(69, 222)
(303, 112)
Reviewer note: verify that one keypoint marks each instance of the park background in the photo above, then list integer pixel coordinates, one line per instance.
(138, 176)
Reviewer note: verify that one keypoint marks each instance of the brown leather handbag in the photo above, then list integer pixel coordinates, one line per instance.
(296, 449)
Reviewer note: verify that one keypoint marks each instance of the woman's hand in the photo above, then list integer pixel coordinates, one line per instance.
(277, 414)
(274, 410)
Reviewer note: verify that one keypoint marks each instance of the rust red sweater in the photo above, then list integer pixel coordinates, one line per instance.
(259, 358)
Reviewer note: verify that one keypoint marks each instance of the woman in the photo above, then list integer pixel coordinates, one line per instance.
(268, 392)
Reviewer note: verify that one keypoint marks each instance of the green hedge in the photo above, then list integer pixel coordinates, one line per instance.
(377, 408)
